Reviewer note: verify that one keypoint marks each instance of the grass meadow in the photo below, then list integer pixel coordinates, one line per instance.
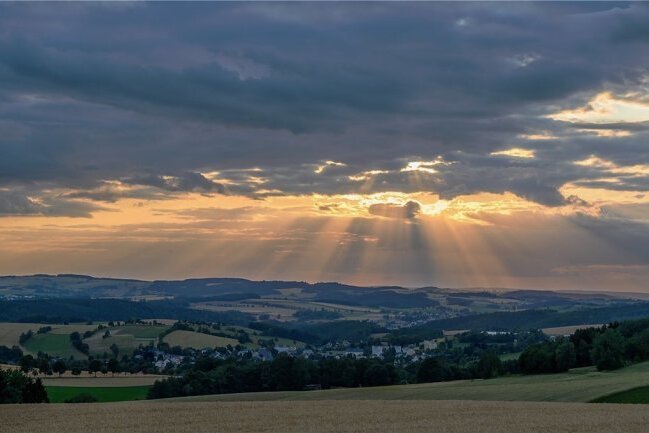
(58, 394)
(639, 395)
(54, 345)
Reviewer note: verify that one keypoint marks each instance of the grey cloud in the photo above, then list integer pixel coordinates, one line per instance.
(625, 126)
(409, 210)
(16, 204)
(189, 181)
(13, 203)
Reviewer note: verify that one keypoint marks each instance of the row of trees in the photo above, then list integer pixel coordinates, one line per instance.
(284, 373)
(437, 369)
(141, 361)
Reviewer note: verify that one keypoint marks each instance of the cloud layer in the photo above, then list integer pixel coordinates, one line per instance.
(104, 104)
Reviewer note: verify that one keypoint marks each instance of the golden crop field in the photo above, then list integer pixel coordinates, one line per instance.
(325, 416)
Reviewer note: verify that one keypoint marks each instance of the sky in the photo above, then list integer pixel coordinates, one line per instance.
(418, 144)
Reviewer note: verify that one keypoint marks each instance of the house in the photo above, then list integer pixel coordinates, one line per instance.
(429, 344)
(378, 350)
(285, 349)
(354, 352)
(263, 354)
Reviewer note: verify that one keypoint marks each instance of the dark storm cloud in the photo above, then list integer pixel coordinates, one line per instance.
(91, 93)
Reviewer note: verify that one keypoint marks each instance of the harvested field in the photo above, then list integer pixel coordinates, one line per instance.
(326, 416)
(566, 330)
(9, 367)
(197, 340)
(250, 307)
(10, 332)
(454, 332)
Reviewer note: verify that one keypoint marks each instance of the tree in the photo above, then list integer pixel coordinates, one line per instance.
(608, 350)
(16, 387)
(115, 349)
(34, 392)
(431, 370)
(25, 336)
(60, 367)
(637, 347)
(26, 363)
(94, 366)
(376, 375)
(538, 359)
(489, 366)
(565, 356)
(113, 366)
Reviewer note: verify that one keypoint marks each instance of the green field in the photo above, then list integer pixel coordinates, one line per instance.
(638, 395)
(127, 338)
(54, 345)
(579, 385)
(58, 394)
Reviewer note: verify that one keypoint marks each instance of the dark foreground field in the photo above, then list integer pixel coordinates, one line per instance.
(325, 416)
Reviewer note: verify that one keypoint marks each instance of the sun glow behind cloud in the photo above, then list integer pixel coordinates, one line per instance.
(605, 108)
(515, 152)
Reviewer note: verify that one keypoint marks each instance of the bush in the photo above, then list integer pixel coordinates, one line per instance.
(16, 387)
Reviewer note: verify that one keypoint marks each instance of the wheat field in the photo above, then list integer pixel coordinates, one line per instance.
(325, 416)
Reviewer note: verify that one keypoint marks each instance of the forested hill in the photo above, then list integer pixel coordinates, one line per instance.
(429, 302)
(534, 319)
(82, 310)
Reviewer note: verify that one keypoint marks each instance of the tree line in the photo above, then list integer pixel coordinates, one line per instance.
(608, 348)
